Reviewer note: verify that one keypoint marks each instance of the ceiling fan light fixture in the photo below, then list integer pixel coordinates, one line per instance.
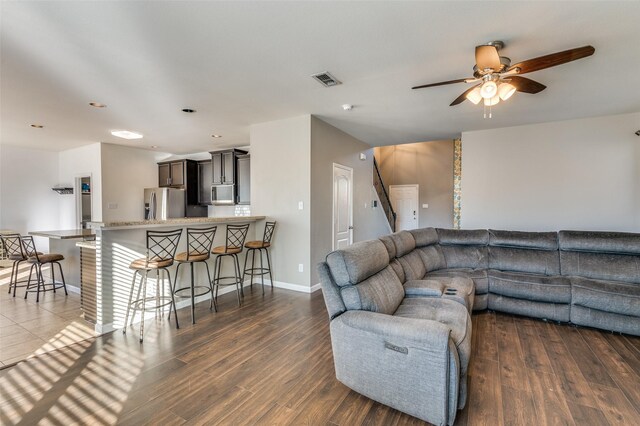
(488, 89)
(492, 101)
(475, 96)
(506, 90)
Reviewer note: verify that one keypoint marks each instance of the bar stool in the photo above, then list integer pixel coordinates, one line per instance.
(37, 260)
(252, 246)
(199, 242)
(161, 250)
(12, 247)
(236, 234)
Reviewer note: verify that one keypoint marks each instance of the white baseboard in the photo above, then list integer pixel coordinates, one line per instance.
(294, 287)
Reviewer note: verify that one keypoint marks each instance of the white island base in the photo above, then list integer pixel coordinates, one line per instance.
(119, 243)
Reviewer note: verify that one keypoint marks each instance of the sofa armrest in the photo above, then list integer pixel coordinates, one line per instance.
(409, 364)
(426, 287)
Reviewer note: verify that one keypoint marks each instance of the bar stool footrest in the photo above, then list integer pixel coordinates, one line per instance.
(42, 288)
(140, 304)
(177, 294)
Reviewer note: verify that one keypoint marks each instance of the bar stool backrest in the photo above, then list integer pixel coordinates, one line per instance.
(236, 234)
(268, 232)
(199, 241)
(12, 246)
(162, 245)
(29, 247)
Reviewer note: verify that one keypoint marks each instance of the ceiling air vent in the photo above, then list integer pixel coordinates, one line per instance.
(326, 79)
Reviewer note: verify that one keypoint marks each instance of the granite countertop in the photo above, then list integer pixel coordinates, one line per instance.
(132, 224)
(65, 234)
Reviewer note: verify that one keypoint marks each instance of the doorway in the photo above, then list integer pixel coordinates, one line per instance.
(404, 199)
(342, 206)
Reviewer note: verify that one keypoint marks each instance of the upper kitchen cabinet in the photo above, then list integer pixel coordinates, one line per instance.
(182, 174)
(244, 179)
(205, 178)
(171, 174)
(223, 165)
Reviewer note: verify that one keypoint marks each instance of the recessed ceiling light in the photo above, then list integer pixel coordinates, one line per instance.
(37, 126)
(125, 134)
(347, 107)
(97, 105)
(216, 136)
(188, 110)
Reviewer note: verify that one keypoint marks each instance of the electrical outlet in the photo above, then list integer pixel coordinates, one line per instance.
(425, 206)
(300, 267)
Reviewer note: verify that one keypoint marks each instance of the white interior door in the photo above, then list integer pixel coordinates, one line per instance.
(342, 206)
(404, 200)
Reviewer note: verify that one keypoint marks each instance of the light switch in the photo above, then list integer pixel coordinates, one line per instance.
(112, 206)
(300, 267)
(300, 205)
(425, 206)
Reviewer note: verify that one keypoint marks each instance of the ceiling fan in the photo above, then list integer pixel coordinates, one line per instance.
(498, 80)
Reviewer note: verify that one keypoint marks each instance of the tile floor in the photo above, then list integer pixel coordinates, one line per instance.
(28, 328)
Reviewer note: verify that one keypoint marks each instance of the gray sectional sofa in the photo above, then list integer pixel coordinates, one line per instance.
(400, 306)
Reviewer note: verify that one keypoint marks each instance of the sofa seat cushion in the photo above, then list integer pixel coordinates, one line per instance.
(458, 289)
(608, 296)
(479, 277)
(452, 314)
(539, 288)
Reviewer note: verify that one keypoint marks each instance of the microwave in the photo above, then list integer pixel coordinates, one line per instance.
(223, 194)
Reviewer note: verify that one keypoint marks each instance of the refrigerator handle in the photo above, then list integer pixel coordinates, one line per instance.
(152, 206)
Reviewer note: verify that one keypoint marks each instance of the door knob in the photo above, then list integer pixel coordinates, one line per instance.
(351, 227)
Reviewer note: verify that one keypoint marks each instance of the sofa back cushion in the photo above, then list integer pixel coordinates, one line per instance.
(424, 236)
(390, 246)
(382, 292)
(600, 255)
(413, 266)
(464, 248)
(365, 278)
(356, 263)
(532, 252)
(404, 242)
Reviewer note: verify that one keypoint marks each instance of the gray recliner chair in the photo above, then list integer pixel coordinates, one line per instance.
(411, 354)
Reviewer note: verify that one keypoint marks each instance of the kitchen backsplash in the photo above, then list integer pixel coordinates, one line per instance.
(226, 211)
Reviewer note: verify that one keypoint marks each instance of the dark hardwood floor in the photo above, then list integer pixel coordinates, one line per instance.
(270, 362)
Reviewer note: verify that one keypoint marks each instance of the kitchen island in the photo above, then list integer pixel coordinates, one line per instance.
(118, 243)
(63, 242)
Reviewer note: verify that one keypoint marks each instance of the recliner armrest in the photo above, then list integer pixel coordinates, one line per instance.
(419, 332)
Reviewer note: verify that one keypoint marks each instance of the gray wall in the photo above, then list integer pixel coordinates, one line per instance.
(428, 164)
(330, 145)
(280, 178)
(575, 174)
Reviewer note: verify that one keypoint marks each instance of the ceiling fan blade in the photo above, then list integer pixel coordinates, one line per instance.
(553, 59)
(526, 85)
(487, 57)
(442, 83)
(463, 97)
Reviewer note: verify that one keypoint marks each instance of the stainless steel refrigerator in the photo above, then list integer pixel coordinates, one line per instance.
(164, 203)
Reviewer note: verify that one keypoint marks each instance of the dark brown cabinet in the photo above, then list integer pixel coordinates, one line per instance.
(244, 179)
(164, 175)
(172, 174)
(205, 178)
(223, 166)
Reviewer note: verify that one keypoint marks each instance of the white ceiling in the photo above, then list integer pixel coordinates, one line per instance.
(239, 63)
